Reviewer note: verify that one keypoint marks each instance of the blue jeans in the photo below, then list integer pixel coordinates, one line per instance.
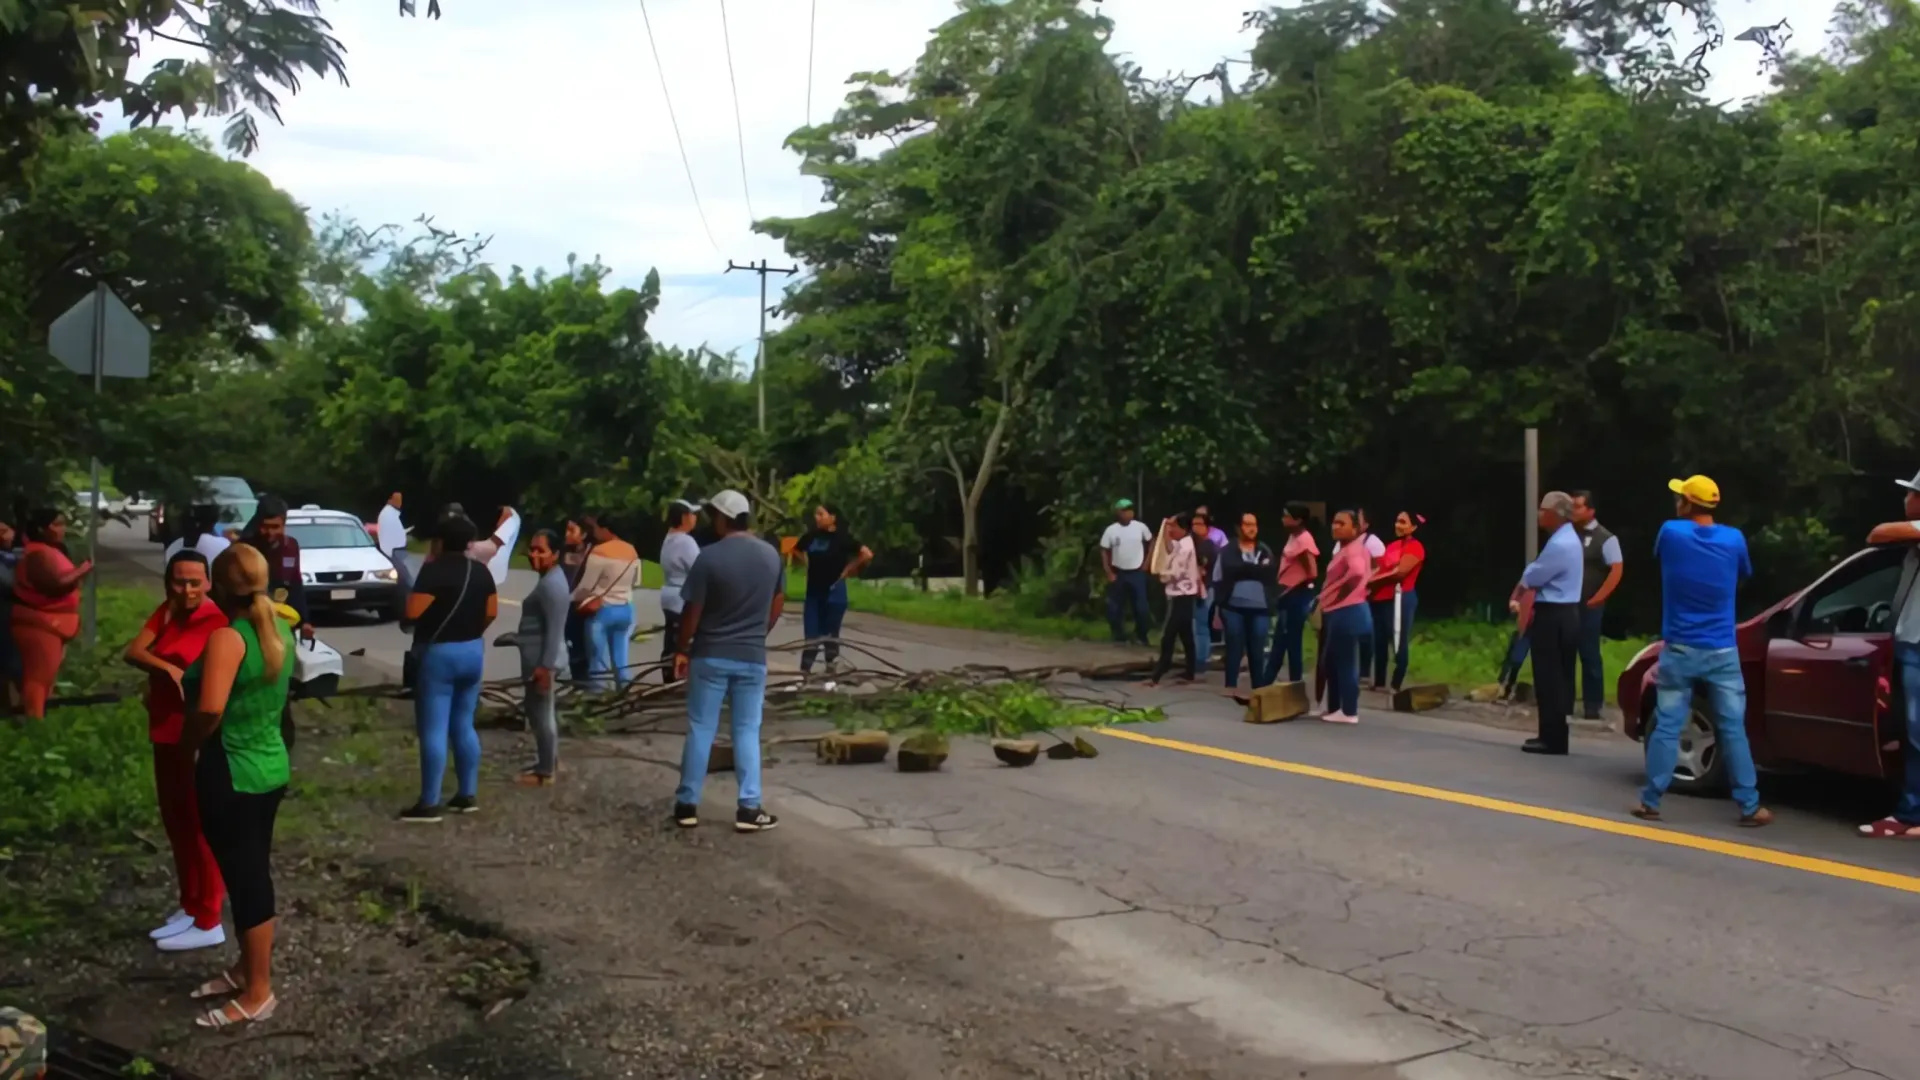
(744, 686)
(1347, 628)
(1593, 683)
(1683, 670)
(822, 617)
(1906, 658)
(444, 697)
(608, 631)
(1203, 630)
(1246, 634)
(1289, 633)
(1132, 586)
(1382, 612)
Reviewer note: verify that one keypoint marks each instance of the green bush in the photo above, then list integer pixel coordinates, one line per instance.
(84, 774)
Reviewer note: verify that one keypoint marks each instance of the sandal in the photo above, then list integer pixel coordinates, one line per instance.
(223, 986)
(1645, 812)
(219, 1018)
(530, 778)
(1890, 828)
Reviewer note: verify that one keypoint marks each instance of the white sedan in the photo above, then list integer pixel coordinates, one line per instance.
(341, 566)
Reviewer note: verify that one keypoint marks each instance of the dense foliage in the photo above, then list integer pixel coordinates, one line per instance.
(1350, 271)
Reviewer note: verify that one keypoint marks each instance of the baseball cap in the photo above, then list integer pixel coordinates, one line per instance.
(687, 504)
(23, 1046)
(730, 503)
(1123, 504)
(1696, 489)
(1910, 485)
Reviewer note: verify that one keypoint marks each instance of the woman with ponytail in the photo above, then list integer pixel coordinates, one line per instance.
(1399, 567)
(238, 688)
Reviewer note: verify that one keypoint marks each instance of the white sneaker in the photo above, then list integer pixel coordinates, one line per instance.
(175, 923)
(1341, 718)
(193, 938)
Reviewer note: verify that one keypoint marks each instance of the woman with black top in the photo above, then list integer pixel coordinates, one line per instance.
(831, 556)
(1247, 577)
(452, 604)
(573, 561)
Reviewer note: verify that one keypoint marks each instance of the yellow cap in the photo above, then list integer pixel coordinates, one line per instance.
(1696, 489)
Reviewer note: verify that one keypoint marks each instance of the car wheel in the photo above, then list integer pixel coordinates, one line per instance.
(392, 613)
(1698, 768)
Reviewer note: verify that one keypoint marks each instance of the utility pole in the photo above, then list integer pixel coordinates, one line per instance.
(1533, 493)
(760, 355)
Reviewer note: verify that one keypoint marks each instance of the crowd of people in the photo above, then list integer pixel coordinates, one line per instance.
(218, 652)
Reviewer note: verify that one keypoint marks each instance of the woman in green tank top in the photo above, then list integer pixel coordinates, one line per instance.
(238, 688)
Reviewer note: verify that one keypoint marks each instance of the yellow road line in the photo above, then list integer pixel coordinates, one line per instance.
(1846, 871)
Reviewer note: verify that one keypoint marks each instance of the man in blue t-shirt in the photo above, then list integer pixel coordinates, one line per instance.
(1701, 566)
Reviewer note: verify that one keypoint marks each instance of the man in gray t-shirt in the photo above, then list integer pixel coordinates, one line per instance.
(732, 597)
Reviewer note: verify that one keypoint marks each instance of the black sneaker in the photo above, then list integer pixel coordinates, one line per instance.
(753, 819)
(420, 815)
(686, 816)
(463, 804)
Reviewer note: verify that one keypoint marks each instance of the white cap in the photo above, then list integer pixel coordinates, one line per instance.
(730, 503)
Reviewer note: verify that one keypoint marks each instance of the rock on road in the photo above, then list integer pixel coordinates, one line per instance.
(1410, 898)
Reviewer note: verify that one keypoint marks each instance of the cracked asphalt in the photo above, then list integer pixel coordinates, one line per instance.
(1404, 937)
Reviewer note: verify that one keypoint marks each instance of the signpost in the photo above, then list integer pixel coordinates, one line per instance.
(100, 337)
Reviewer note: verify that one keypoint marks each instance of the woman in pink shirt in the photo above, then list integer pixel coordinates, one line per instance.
(1299, 569)
(1344, 608)
(1179, 570)
(1400, 566)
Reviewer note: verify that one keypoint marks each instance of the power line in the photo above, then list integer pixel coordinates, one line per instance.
(739, 131)
(813, 14)
(675, 121)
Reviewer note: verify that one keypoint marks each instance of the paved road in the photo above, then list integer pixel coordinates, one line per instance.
(1410, 898)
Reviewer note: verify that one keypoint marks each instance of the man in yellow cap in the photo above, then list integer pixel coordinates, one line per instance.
(1701, 567)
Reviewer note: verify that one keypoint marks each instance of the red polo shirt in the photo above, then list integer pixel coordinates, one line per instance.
(179, 642)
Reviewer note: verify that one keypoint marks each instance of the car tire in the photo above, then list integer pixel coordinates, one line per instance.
(393, 613)
(1700, 770)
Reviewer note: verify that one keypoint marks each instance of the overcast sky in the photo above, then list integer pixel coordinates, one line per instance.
(544, 124)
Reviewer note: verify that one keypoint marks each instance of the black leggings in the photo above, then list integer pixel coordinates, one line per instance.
(669, 641)
(239, 830)
(1179, 626)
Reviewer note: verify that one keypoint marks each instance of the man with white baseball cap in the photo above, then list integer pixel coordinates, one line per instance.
(732, 597)
(1904, 822)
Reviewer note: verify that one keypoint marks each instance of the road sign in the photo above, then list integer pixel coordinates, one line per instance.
(102, 329)
(100, 337)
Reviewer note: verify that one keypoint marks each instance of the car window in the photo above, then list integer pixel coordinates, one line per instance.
(329, 534)
(1860, 602)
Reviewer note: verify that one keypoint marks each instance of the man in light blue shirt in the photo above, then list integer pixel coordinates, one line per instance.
(1554, 636)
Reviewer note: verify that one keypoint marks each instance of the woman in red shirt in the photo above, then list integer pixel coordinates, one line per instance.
(1399, 566)
(173, 638)
(46, 608)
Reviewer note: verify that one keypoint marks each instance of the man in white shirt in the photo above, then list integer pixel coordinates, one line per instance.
(1904, 822)
(203, 530)
(392, 538)
(1123, 552)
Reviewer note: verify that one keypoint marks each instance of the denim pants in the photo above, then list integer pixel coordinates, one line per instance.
(1130, 586)
(444, 699)
(1246, 635)
(1593, 682)
(1203, 629)
(1347, 628)
(1682, 671)
(543, 715)
(821, 618)
(608, 631)
(1906, 661)
(1382, 612)
(1290, 634)
(579, 653)
(743, 686)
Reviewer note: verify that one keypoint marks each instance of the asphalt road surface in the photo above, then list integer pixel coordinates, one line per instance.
(1410, 898)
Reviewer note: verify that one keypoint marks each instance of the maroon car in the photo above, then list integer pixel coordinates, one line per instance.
(1817, 666)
